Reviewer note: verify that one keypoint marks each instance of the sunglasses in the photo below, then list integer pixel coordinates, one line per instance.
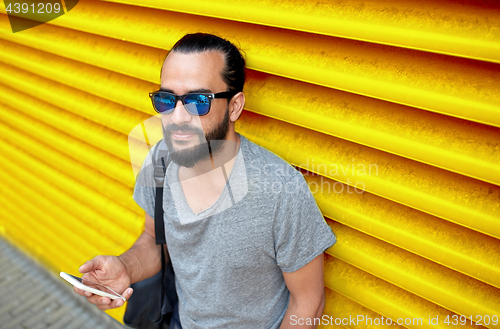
(195, 103)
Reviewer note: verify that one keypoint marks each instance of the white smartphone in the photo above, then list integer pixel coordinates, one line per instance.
(93, 287)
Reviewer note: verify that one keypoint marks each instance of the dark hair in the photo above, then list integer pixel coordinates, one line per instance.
(233, 73)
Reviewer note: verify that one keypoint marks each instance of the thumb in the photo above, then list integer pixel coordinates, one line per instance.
(91, 265)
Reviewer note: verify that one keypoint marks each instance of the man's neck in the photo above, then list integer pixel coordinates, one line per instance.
(203, 184)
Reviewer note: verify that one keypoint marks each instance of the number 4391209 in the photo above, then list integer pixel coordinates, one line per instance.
(478, 320)
(39, 8)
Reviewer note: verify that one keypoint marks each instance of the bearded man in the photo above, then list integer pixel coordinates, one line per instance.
(244, 234)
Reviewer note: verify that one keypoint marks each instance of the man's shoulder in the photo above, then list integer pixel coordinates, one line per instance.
(265, 164)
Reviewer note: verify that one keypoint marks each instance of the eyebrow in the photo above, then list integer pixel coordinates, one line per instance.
(201, 90)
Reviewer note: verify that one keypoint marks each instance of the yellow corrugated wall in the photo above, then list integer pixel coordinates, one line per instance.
(391, 108)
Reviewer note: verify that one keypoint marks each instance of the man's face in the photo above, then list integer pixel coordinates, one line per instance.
(186, 135)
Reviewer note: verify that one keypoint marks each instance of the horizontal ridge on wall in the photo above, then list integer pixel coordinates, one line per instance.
(339, 307)
(84, 77)
(57, 244)
(45, 202)
(26, 237)
(94, 134)
(381, 296)
(442, 286)
(98, 182)
(101, 111)
(463, 250)
(44, 214)
(390, 23)
(92, 208)
(452, 86)
(95, 158)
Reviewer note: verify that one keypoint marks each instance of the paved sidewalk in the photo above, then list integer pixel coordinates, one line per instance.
(33, 298)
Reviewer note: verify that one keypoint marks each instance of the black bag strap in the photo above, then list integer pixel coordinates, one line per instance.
(160, 166)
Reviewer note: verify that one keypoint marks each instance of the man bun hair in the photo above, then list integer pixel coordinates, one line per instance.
(233, 73)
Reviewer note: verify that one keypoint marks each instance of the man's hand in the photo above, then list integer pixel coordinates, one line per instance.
(141, 261)
(110, 271)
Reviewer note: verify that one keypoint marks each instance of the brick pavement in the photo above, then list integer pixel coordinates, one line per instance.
(33, 298)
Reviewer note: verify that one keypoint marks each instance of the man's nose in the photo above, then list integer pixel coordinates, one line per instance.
(180, 114)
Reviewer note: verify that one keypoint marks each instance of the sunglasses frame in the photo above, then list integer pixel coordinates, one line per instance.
(211, 96)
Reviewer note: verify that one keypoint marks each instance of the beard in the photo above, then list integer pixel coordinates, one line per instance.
(190, 156)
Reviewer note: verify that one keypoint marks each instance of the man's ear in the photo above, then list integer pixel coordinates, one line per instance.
(236, 106)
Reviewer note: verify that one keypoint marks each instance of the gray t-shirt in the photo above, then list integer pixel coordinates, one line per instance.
(229, 258)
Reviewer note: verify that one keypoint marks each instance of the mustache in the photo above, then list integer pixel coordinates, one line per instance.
(182, 128)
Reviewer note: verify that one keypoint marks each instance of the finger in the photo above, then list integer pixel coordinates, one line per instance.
(86, 267)
(117, 303)
(91, 265)
(105, 301)
(120, 302)
(98, 300)
(79, 291)
(104, 307)
(127, 293)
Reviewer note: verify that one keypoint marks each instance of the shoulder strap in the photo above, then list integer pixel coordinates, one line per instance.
(160, 164)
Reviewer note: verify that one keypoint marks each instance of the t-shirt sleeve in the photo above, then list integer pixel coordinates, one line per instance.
(144, 190)
(300, 231)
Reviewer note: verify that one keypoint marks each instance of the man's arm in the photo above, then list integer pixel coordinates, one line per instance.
(143, 259)
(307, 295)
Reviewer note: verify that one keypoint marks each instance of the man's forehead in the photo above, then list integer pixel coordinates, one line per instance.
(193, 71)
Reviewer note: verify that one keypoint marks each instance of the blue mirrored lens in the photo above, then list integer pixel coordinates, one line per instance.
(164, 103)
(201, 104)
